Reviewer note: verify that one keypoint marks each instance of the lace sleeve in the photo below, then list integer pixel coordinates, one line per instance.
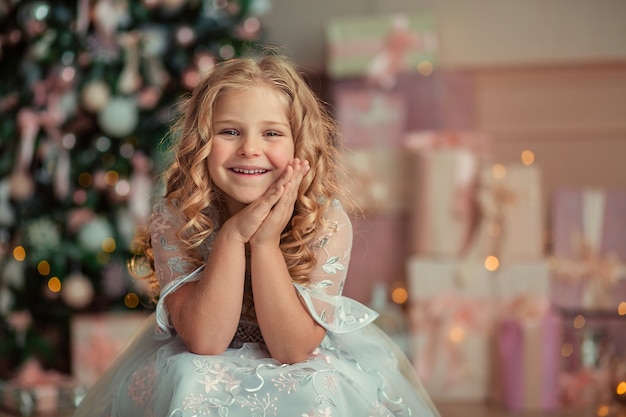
(323, 296)
(171, 269)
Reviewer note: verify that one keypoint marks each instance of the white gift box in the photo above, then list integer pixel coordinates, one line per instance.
(453, 310)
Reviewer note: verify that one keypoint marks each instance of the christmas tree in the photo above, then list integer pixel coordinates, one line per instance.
(86, 94)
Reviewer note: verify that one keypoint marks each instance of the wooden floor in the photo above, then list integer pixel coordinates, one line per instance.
(479, 410)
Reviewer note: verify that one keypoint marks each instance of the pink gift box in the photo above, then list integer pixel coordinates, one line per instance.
(370, 118)
(529, 362)
(378, 254)
(98, 339)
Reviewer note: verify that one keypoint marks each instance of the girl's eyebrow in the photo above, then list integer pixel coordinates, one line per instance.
(264, 122)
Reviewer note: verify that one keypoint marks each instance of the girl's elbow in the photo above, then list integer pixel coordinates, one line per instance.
(206, 348)
(294, 356)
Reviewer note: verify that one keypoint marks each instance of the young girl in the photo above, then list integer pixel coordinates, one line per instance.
(250, 247)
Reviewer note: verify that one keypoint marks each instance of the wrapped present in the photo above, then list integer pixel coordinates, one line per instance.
(450, 342)
(34, 390)
(380, 47)
(98, 339)
(450, 326)
(378, 255)
(529, 354)
(370, 118)
(443, 173)
(589, 249)
(596, 216)
(511, 226)
(443, 100)
(453, 310)
(382, 190)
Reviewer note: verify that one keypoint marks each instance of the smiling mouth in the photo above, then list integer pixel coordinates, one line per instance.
(249, 171)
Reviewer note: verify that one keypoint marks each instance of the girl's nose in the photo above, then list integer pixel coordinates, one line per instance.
(250, 146)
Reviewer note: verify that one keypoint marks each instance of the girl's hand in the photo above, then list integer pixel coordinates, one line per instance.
(247, 221)
(279, 215)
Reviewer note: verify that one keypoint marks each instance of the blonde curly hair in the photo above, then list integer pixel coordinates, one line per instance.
(188, 185)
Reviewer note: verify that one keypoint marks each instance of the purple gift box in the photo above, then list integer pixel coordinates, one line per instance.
(589, 248)
(529, 362)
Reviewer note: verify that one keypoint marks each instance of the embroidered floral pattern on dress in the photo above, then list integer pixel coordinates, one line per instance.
(141, 384)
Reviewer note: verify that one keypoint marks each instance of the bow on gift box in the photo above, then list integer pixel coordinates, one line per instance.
(444, 321)
(597, 270)
(495, 199)
(392, 59)
(590, 264)
(526, 307)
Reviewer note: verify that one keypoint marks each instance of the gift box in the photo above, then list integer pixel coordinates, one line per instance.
(529, 356)
(383, 190)
(379, 253)
(379, 47)
(37, 391)
(97, 340)
(370, 118)
(511, 223)
(589, 248)
(444, 168)
(454, 307)
(442, 100)
(592, 217)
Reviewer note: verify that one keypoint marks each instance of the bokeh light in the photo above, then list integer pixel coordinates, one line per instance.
(54, 284)
(492, 263)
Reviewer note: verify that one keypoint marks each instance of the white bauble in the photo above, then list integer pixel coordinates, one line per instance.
(93, 233)
(119, 117)
(77, 291)
(95, 96)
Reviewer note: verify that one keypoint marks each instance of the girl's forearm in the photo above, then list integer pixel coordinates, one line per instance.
(206, 313)
(289, 331)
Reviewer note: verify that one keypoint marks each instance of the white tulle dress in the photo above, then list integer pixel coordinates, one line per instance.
(356, 371)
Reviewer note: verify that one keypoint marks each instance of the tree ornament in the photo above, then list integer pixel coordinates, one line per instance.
(21, 185)
(119, 117)
(93, 233)
(6, 301)
(7, 216)
(151, 4)
(32, 17)
(77, 291)
(172, 5)
(95, 96)
(130, 80)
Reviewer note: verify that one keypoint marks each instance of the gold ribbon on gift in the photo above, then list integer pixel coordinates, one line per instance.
(598, 271)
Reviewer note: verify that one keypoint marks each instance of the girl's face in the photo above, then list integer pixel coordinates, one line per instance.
(252, 143)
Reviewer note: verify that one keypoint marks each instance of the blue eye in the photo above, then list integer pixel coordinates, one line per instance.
(229, 132)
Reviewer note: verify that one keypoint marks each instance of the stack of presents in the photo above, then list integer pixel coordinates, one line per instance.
(96, 341)
(516, 294)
